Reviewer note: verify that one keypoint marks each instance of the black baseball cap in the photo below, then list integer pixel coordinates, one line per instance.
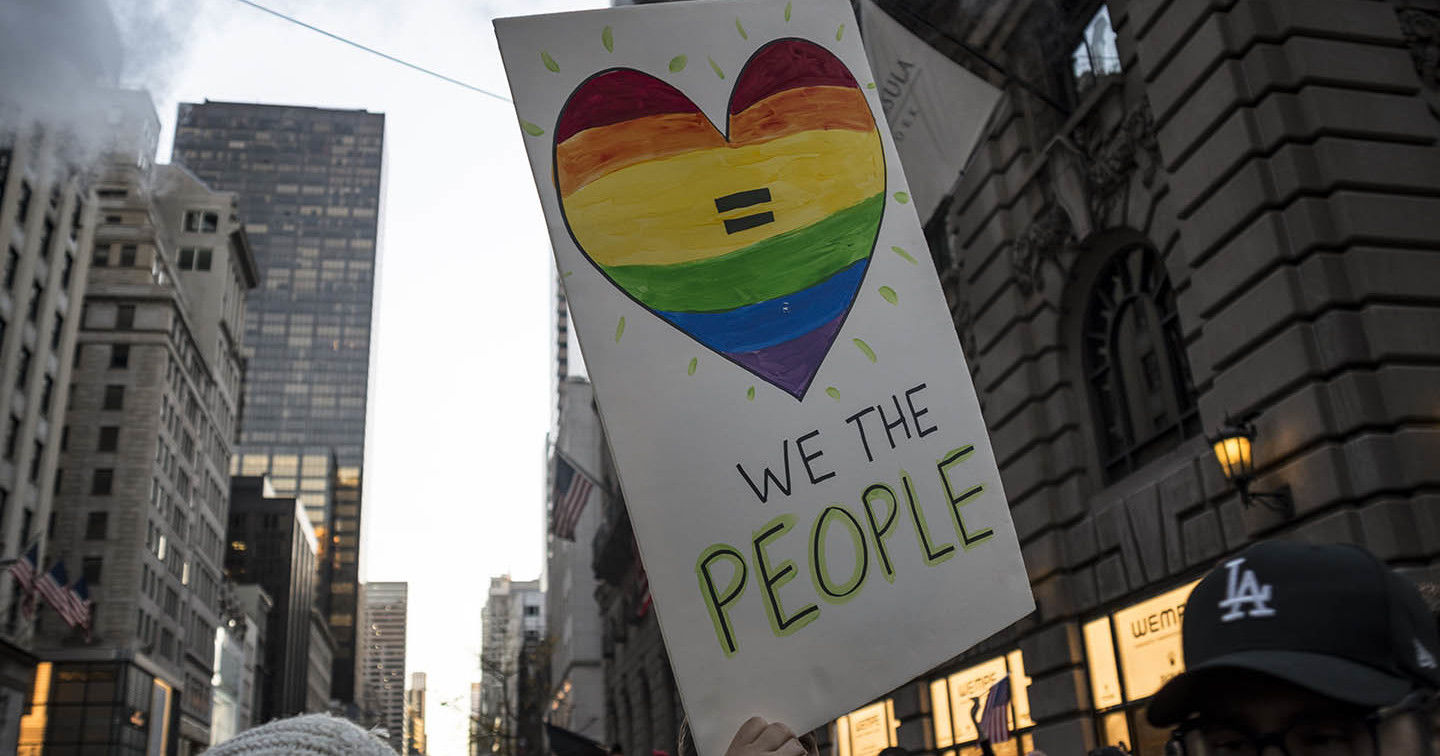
(1331, 619)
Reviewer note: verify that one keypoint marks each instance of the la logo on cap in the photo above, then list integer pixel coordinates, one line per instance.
(1242, 590)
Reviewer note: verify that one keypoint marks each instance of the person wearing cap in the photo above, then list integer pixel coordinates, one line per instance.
(1304, 650)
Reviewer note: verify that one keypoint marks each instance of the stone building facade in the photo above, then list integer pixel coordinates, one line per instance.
(142, 496)
(1225, 210)
(642, 704)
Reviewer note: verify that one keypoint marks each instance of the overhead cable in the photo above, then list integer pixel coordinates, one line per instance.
(373, 51)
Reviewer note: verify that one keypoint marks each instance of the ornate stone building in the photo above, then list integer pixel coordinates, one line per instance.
(1184, 213)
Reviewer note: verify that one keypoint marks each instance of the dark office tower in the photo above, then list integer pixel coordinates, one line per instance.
(270, 546)
(309, 182)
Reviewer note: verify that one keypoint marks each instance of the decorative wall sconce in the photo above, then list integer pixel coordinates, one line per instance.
(1233, 450)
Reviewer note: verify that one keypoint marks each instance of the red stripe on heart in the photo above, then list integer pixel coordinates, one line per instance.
(788, 64)
(618, 95)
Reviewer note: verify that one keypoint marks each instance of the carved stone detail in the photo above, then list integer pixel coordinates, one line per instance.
(1111, 157)
(1421, 27)
(1048, 235)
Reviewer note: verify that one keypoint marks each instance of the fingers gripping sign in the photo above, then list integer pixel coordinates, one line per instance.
(756, 737)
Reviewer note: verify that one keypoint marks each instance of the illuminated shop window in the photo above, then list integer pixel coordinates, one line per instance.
(1129, 655)
(955, 697)
(866, 731)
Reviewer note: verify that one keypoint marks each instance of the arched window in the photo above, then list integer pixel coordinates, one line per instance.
(1140, 385)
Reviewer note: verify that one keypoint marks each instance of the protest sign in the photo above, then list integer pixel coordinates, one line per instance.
(797, 438)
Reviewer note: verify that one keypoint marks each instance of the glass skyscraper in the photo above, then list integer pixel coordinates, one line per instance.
(309, 181)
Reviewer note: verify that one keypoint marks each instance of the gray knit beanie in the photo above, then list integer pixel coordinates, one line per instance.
(316, 734)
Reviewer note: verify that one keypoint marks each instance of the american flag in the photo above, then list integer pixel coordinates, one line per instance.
(997, 704)
(567, 502)
(52, 587)
(24, 571)
(79, 593)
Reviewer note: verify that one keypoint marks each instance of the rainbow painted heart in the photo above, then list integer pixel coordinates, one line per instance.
(754, 244)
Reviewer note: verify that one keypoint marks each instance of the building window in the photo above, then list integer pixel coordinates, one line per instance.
(12, 435)
(202, 221)
(195, 259)
(24, 208)
(35, 458)
(101, 258)
(32, 312)
(109, 438)
(90, 570)
(47, 239)
(103, 481)
(1096, 55)
(66, 272)
(120, 356)
(127, 256)
(57, 332)
(95, 526)
(46, 394)
(1135, 365)
(114, 397)
(22, 374)
(124, 317)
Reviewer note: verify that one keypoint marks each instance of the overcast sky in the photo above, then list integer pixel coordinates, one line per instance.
(460, 395)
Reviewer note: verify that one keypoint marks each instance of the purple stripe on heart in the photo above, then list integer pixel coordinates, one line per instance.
(791, 365)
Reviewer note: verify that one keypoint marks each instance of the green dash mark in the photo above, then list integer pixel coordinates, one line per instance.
(741, 28)
(750, 393)
(549, 62)
(839, 32)
(902, 197)
(531, 128)
(620, 329)
(787, 11)
(716, 68)
(869, 353)
(567, 274)
(607, 38)
(871, 85)
(889, 295)
(694, 362)
(677, 63)
(833, 392)
(905, 255)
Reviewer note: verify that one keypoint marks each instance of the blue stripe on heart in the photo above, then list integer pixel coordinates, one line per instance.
(774, 321)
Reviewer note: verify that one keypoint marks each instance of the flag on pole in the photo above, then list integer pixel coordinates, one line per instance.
(52, 586)
(79, 595)
(24, 570)
(997, 704)
(569, 497)
(937, 109)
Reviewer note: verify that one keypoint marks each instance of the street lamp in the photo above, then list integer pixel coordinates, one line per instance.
(1232, 446)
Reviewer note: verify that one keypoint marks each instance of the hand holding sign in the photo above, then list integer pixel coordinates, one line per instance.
(756, 737)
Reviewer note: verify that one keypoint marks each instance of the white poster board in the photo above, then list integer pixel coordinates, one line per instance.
(799, 444)
(936, 108)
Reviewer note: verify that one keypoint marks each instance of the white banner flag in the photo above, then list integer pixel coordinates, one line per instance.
(935, 107)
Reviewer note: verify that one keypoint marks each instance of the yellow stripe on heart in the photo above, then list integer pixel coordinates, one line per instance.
(663, 212)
